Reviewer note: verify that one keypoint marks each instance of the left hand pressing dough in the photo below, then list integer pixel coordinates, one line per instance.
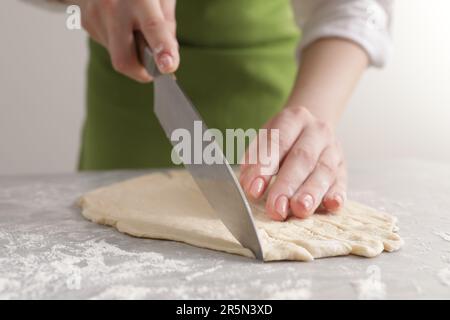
(170, 206)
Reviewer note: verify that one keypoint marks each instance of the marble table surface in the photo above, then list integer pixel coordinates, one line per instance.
(48, 251)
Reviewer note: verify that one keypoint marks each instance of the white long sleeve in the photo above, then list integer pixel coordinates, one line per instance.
(365, 22)
(53, 5)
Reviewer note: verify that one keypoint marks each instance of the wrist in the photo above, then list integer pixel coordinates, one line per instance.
(323, 114)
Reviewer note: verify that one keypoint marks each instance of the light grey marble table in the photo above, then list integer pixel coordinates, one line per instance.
(48, 251)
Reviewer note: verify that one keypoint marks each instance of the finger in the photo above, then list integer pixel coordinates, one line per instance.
(309, 195)
(254, 191)
(336, 196)
(92, 22)
(262, 162)
(168, 9)
(95, 35)
(122, 48)
(289, 123)
(157, 32)
(245, 159)
(299, 163)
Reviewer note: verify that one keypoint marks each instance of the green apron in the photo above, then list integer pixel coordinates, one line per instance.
(237, 66)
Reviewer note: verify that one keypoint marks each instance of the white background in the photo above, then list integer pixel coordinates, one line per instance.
(400, 112)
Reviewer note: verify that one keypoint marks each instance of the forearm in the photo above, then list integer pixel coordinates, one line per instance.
(328, 73)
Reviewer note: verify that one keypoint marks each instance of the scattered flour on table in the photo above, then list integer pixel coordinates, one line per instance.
(444, 276)
(123, 293)
(36, 266)
(6, 287)
(286, 290)
(371, 288)
(202, 273)
(443, 235)
(417, 287)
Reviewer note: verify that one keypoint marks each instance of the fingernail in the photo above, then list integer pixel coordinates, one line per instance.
(257, 187)
(308, 202)
(281, 206)
(165, 61)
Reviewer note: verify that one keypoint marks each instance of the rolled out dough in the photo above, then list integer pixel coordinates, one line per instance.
(170, 206)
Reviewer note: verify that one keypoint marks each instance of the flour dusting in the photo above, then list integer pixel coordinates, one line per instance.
(202, 273)
(443, 235)
(444, 276)
(92, 262)
(288, 290)
(38, 265)
(123, 293)
(371, 288)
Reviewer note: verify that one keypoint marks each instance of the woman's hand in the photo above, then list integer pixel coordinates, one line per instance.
(112, 22)
(312, 170)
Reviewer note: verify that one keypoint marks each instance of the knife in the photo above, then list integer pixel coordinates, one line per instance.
(216, 181)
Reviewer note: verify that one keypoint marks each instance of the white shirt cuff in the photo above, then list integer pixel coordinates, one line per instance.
(365, 22)
(52, 5)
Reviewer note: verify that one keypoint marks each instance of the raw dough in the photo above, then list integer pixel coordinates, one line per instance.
(170, 206)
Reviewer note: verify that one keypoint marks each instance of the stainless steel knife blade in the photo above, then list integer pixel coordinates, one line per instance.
(216, 181)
